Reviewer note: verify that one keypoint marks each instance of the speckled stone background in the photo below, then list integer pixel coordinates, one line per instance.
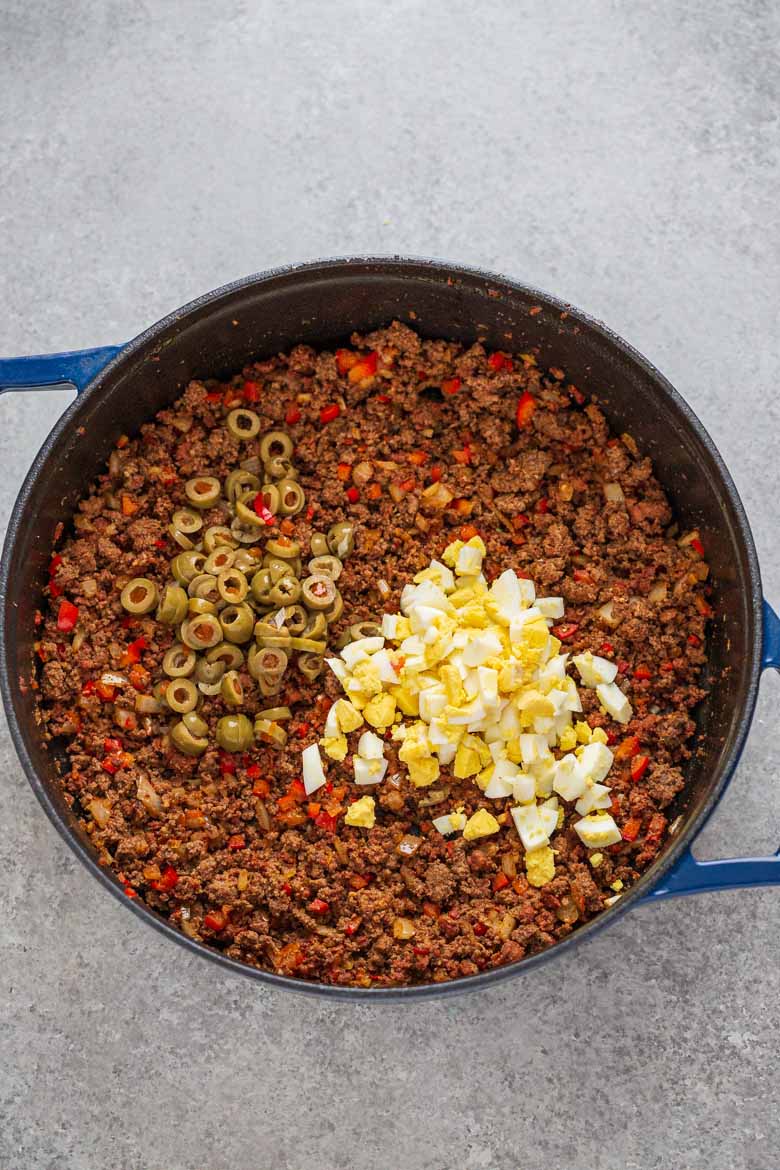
(622, 155)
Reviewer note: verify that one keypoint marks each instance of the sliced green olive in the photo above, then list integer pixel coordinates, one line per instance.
(316, 626)
(311, 665)
(292, 498)
(181, 695)
(216, 536)
(309, 645)
(283, 548)
(318, 591)
(222, 558)
(269, 634)
(226, 653)
(274, 714)
(267, 731)
(341, 538)
(329, 565)
(187, 741)
(269, 661)
(239, 482)
(234, 733)
(159, 689)
(275, 443)
(279, 467)
(261, 586)
(187, 521)
(295, 619)
(203, 491)
(179, 661)
(246, 560)
(186, 566)
(205, 586)
(173, 605)
(237, 622)
(276, 567)
(244, 533)
(270, 494)
(337, 609)
(318, 543)
(139, 595)
(232, 585)
(180, 538)
(197, 605)
(243, 424)
(210, 673)
(195, 723)
(232, 689)
(201, 631)
(365, 630)
(286, 591)
(245, 510)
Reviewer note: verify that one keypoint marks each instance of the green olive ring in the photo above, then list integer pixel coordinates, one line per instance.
(275, 443)
(187, 741)
(227, 654)
(202, 631)
(239, 482)
(329, 565)
(341, 539)
(244, 533)
(292, 498)
(274, 714)
(209, 672)
(181, 539)
(319, 592)
(243, 424)
(245, 560)
(195, 723)
(286, 591)
(234, 733)
(311, 665)
(366, 629)
(217, 536)
(139, 595)
(295, 620)
(181, 696)
(318, 543)
(261, 585)
(337, 609)
(245, 510)
(309, 645)
(186, 566)
(179, 661)
(276, 567)
(316, 626)
(269, 732)
(270, 661)
(237, 623)
(270, 494)
(172, 608)
(283, 548)
(187, 521)
(222, 558)
(279, 467)
(203, 491)
(205, 586)
(232, 689)
(197, 605)
(232, 586)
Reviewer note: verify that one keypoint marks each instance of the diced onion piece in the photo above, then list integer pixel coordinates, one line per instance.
(100, 811)
(403, 928)
(313, 772)
(147, 705)
(111, 679)
(607, 615)
(613, 492)
(437, 496)
(149, 796)
(614, 702)
(409, 844)
(658, 592)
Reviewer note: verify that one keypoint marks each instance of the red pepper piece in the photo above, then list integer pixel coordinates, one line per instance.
(462, 454)
(260, 509)
(67, 616)
(352, 927)
(343, 471)
(383, 398)
(500, 361)
(106, 692)
(293, 416)
(581, 575)
(89, 687)
(112, 745)
(628, 748)
(328, 413)
(631, 829)
(167, 880)
(318, 906)
(227, 765)
(133, 652)
(500, 882)
(642, 673)
(353, 495)
(109, 766)
(639, 766)
(526, 406)
(251, 391)
(215, 920)
(236, 841)
(606, 648)
(480, 928)
(697, 545)
(286, 889)
(345, 360)
(565, 630)
(623, 666)
(365, 368)
(451, 386)
(130, 892)
(436, 474)
(418, 458)
(54, 564)
(694, 640)
(327, 822)
(543, 505)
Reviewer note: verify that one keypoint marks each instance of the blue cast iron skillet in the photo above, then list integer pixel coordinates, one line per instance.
(321, 303)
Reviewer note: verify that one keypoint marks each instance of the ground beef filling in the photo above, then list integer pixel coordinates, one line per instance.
(524, 459)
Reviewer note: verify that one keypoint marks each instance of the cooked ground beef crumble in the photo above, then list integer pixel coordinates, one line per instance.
(210, 846)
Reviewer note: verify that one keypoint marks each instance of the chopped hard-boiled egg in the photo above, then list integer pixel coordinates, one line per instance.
(597, 830)
(313, 772)
(540, 865)
(361, 814)
(614, 702)
(594, 670)
(453, 822)
(480, 824)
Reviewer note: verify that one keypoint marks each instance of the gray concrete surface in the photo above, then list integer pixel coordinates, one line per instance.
(623, 155)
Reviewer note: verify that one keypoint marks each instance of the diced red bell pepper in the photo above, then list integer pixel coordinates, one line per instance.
(329, 413)
(215, 920)
(606, 648)
(106, 692)
(628, 748)
(67, 616)
(253, 771)
(110, 766)
(543, 505)
(480, 928)
(630, 830)
(639, 766)
(318, 906)
(697, 546)
(365, 368)
(236, 841)
(166, 881)
(227, 765)
(526, 406)
(418, 458)
(110, 744)
(353, 495)
(359, 881)
(436, 474)
(326, 822)
(343, 472)
(462, 454)
(345, 360)
(500, 882)
(133, 652)
(54, 564)
(352, 927)
(500, 361)
(251, 391)
(451, 386)
(642, 673)
(581, 575)
(293, 416)
(694, 640)
(130, 892)
(565, 630)
(260, 509)
(89, 687)
(383, 398)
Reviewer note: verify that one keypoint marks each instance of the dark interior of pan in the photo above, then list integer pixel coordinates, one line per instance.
(322, 304)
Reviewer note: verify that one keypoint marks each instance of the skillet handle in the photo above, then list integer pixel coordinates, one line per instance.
(49, 370)
(690, 876)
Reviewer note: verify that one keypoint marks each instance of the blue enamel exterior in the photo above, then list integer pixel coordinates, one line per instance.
(687, 876)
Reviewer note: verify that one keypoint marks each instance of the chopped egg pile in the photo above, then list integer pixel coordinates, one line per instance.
(469, 676)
